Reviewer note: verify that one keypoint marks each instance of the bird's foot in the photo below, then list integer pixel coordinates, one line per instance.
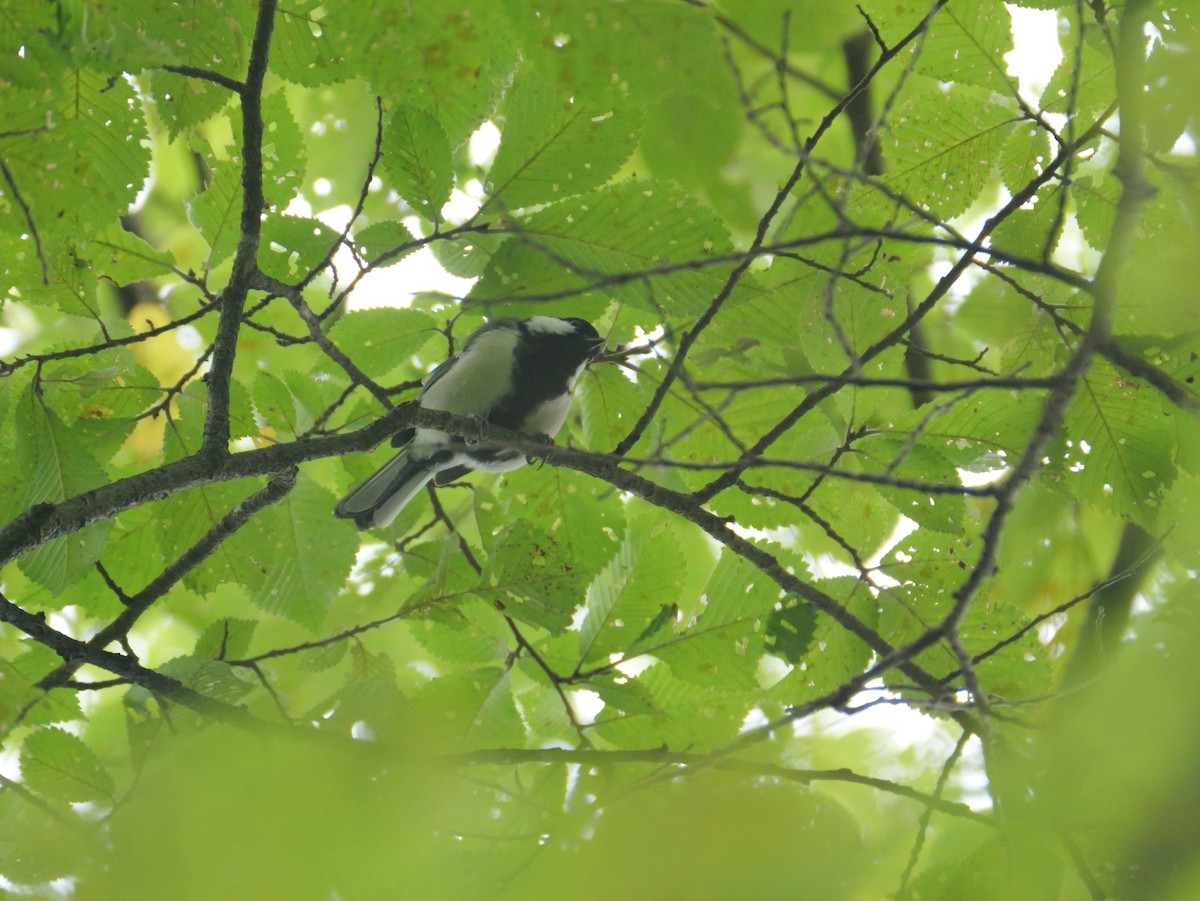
(537, 458)
(479, 422)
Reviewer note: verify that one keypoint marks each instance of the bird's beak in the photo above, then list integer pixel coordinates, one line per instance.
(599, 347)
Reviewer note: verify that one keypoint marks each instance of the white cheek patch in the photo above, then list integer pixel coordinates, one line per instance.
(549, 325)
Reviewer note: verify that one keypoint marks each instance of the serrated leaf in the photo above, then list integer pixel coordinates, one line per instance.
(283, 153)
(967, 42)
(124, 257)
(226, 639)
(790, 631)
(60, 766)
(212, 678)
(285, 403)
(184, 520)
(986, 427)
(379, 243)
(604, 237)
(451, 58)
(719, 640)
(301, 558)
(302, 50)
(945, 147)
(475, 704)
(1087, 88)
(642, 48)
(834, 654)
(565, 501)
(207, 36)
(217, 211)
(416, 160)
(693, 714)
(19, 692)
(291, 246)
(533, 577)
(379, 340)
(630, 594)
(1122, 451)
(58, 465)
(554, 146)
(366, 666)
(466, 256)
(1033, 233)
(83, 169)
(609, 404)
(317, 660)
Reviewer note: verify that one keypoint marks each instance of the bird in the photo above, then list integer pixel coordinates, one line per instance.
(514, 373)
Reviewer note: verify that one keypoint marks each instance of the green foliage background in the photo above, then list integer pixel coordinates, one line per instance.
(911, 431)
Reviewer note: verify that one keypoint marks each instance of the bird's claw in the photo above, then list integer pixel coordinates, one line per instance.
(478, 421)
(530, 459)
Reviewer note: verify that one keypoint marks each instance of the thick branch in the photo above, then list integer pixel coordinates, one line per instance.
(77, 652)
(245, 263)
(44, 522)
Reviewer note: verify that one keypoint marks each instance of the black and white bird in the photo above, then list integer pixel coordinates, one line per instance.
(513, 373)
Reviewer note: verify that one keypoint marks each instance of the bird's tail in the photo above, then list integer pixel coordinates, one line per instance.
(379, 500)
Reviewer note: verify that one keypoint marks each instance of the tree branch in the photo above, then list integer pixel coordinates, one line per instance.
(139, 603)
(245, 263)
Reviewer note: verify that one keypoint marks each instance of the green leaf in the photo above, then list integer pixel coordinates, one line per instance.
(217, 211)
(298, 559)
(293, 245)
(450, 58)
(790, 631)
(640, 582)
(226, 639)
(1085, 89)
(555, 146)
(719, 638)
(206, 36)
(601, 240)
(19, 693)
(834, 654)
(1121, 455)
(584, 528)
(60, 766)
(378, 243)
(967, 43)
(211, 678)
(416, 160)
(318, 660)
(475, 707)
(276, 406)
(58, 464)
(283, 152)
(84, 166)
(124, 257)
(641, 49)
(609, 403)
(302, 49)
(945, 149)
(532, 576)
(380, 340)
